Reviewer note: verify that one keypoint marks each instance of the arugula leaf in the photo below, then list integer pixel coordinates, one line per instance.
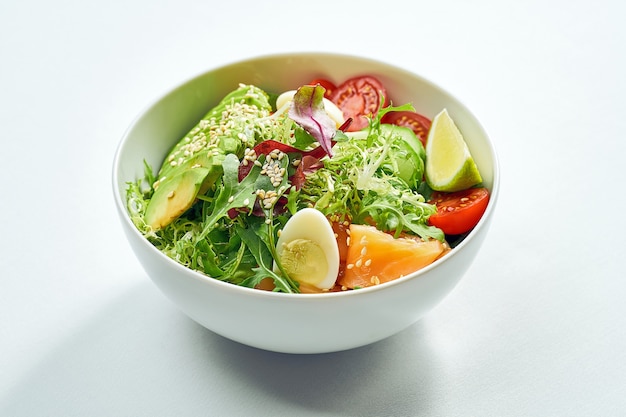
(256, 238)
(233, 194)
(308, 111)
(206, 260)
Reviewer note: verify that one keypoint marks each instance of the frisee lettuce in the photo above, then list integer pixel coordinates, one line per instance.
(360, 183)
(230, 233)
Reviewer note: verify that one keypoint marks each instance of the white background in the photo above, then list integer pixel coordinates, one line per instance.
(535, 328)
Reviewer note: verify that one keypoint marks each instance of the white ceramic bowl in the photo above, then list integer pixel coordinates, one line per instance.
(296, 323)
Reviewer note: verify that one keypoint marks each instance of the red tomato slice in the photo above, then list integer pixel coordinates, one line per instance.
(460, 211)
(414, 121)
(328, 86)
(358, 98)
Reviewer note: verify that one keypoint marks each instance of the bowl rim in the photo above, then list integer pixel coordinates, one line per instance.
(123, 211)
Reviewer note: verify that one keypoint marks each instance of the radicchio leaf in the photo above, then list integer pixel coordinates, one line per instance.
(308, 111)
(267, 146)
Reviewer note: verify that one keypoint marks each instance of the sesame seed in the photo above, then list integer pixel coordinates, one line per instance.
(170, 194)
(246, 201)
(349, 266)
(231, 199)
(358, 263)
(363, 250)
(368, 262)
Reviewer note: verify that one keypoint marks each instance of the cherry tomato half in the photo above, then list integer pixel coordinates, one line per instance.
(358, 98)
(458, 212)
(414, 121)
(328, 86)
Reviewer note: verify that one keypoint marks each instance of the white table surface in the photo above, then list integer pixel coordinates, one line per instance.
(537, 327)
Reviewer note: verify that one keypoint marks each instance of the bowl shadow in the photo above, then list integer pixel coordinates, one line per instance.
(139, 356)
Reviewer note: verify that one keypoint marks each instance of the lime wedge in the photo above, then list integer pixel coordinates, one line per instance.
(449, 165)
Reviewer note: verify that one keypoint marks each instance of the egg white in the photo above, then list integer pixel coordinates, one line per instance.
(310, 226)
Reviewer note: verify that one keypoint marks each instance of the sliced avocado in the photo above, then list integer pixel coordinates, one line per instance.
(174, 196)
(221, 127)
(194, 164)
(204, 159)
(411, 155)
(214, 164)
(177, 191)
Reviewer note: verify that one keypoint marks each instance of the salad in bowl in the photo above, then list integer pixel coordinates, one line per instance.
(341, 180)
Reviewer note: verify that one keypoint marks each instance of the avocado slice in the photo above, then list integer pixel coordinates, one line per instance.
(173, 197)
(221, 126)
(411, 155)
(194, 164)
(177, 192)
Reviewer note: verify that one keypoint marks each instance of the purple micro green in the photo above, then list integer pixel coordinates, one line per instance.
(308, 111)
